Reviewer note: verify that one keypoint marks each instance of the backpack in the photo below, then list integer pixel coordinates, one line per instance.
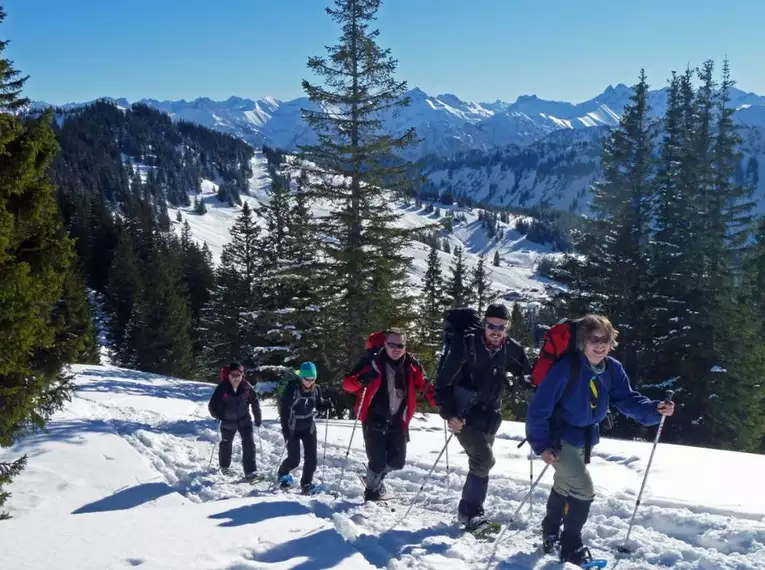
(559, 343)
(460, 325)
(375, 341)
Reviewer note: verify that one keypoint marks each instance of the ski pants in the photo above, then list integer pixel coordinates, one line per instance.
(478, 446)
(572, 478)
(308, 439)
(386, 451)
(248, 446)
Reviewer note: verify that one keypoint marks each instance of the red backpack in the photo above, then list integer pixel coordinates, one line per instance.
(559, 343)
(375, 341)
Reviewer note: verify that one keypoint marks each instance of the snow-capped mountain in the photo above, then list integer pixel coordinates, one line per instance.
(445, 123)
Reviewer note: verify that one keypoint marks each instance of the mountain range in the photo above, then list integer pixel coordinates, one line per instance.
(561, 140)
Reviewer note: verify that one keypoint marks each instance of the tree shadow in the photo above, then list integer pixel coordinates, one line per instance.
(127, 498)
(259, 512)
(166, 389)
(317, 551)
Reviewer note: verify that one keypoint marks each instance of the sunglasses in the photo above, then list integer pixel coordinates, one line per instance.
(399, 345)
(309, 378)
(235, 375)
(599, 339)
(493, 327)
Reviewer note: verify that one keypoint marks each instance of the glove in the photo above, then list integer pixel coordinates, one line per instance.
(258, 422)
(366, 378)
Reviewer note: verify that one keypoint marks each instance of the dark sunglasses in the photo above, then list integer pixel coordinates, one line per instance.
(399, 345)
(599, 339)
(495, 327)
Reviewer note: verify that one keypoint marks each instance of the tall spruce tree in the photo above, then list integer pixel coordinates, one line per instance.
(481, 284)
(361, 267)
(35, 257)
(458, 291)
(431, 309)
(613, 278)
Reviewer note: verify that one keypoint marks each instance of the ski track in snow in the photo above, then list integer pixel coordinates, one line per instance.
(167, 424)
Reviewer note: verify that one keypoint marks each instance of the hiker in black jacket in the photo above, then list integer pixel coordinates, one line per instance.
(471, 379)
(297, 408)
(230, 404)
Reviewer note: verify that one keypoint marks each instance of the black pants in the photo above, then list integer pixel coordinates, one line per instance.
(248, 447)
(386, 447)
(293, 455)
(478, 446)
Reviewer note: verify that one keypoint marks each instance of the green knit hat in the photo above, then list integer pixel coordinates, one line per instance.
(307, 370)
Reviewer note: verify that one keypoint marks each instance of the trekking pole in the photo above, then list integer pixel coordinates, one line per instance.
(531, 479)
(518, 510)
(260, 443)
(348, 451)
(324, 455)
(623, 548)
(215, 444)
(446, 445)
(274, 481)
(427, 477)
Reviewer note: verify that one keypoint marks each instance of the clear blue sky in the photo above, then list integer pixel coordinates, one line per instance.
(481, 50)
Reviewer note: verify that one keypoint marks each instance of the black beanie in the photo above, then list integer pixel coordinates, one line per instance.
(235, 366)
(497, 311)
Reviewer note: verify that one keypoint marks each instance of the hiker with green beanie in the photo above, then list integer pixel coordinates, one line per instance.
(299, 404)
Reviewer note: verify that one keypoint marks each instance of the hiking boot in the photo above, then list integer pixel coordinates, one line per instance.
(550, 543)
(310, 489)
(577, 556)
(251, 476)
(371, 495)
(286, 481)
(227, 471)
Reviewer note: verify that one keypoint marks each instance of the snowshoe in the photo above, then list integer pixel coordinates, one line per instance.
(286, 481)
(482, 528)
(312, 489)
(582, 558)
(253, 477)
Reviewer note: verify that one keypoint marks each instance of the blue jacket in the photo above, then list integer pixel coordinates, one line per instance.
(546, 429)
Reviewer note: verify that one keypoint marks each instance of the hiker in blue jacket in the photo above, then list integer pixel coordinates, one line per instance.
(562, 426)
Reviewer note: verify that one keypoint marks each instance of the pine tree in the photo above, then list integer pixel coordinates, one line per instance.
(198, 279)
(613, 279)
(361, 267)
(496, 258)
(481, 284)
(230, 322)
(432, 305)
(458, 290)
(35, 256)
(123, 289)
(158, 334)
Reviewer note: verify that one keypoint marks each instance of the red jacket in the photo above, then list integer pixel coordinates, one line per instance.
(415, 378)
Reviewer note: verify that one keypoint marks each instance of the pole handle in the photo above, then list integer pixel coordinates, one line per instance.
(668, 396)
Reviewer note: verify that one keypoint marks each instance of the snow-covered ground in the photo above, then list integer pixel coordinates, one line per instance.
(518, 255)
(122, 480)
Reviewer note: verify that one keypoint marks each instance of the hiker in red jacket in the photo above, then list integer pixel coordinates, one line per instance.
(388, 379)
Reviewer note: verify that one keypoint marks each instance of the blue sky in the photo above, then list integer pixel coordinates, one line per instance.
(483, 50)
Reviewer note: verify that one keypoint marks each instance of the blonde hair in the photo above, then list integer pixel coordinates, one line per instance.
(589, 324)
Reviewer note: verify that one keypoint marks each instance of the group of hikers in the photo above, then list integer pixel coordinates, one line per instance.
(474, 371)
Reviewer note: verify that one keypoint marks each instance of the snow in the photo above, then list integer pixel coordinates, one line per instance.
(122, 480)
(518, 256)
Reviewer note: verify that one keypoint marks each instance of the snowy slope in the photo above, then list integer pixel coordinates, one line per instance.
(122, 480)
(518, 256)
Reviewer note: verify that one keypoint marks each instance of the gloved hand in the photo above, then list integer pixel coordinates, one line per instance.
(365, 379)
(258, 422)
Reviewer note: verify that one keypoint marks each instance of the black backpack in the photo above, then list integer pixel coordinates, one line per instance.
(460, 326)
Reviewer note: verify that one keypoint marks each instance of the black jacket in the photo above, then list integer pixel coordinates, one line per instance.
(297, 408)
(471, 380)
(231, 408)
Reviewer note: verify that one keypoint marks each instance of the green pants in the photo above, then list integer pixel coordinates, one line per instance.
(572, 478)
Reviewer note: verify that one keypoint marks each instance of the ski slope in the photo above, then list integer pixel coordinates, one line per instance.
(518, 255)
(121, 480)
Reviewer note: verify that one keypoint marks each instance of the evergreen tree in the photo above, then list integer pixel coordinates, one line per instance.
(123, 289)
(198, 280)
(496, 258)
(431, 309)
(230, 322)
(158, 334)
(361, 267)
(35, 256)
(481, 284)
(458, 290)
(613, 278)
